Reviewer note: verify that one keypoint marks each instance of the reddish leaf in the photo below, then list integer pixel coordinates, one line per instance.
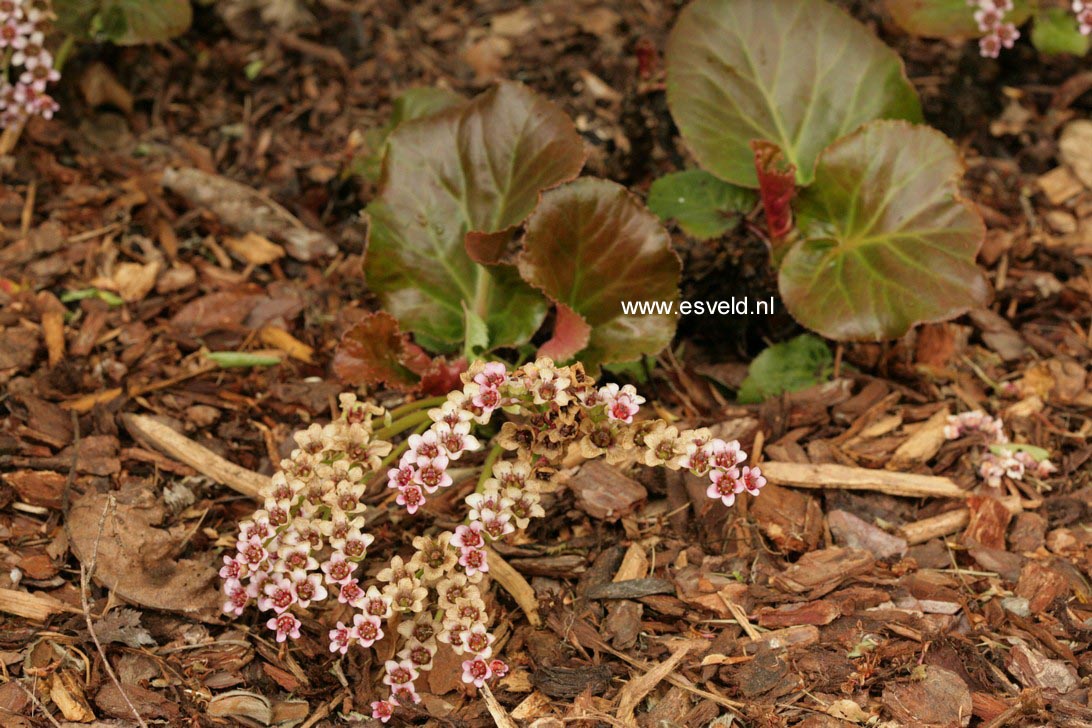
(591, 245)
(571, 334)
(777, 187)
(375, 351)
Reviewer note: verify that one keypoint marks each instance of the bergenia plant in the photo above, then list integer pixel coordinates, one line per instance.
(308, 543)
(1002, 457)
(123, 22)
(1057, 26)
(480, 226)
(28, 66)
(866, 225)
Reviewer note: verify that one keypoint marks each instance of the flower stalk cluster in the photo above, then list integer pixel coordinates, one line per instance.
(308, 541)
(28, 68)
(990, 16)
(1002, 459)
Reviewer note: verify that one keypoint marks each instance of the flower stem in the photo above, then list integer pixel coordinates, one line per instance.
(419, 404)
(394, 454)
(487, 467)
(401, 425)
(63, 52)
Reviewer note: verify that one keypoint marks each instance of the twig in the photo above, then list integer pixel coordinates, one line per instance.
(496, 710)
(85, 590)
(37, 703)
(514, 583)
(199, 458)
(829, 475)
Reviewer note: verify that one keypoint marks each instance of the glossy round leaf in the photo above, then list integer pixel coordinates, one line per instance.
(704, 206)
(886, 240)
(478, 167)
(591, 245)
(797, 73)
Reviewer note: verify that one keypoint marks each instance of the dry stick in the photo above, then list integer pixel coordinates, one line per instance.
(85, 590)
(514, 583)
(38, 704)
(201, 459)
(500, 715)
(637, 688)
(827, 475)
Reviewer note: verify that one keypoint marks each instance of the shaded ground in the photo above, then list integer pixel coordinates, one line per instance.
(808, 607)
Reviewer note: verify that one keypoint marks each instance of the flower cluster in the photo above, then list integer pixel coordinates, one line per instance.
(22, 37)
(703, 455)
(1083, 10)
(1002, 459)
(435, 598)
(990, 16)
(307, 542)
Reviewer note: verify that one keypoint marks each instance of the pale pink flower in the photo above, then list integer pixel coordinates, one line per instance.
(285, 625)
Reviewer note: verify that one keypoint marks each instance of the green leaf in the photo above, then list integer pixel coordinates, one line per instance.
(786, 367)
(1056, 32)
(475, 336)
(704, 206)
(478, 167)
(1040, 454)
(124, 22)
(887, 241)
(945, 18)
(798, 73)
(590, 245)
(414, 103)
(78, 295)
(239, 359)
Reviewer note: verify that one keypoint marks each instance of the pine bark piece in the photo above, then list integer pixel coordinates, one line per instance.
(923, 444)
(829, 475)
(603, 492)
(792, 520)
(820, 572)
(36, 607)
(939, 700)
(860, 534)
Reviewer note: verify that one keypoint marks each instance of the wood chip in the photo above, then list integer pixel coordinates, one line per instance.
(636, 689)
(921, 446)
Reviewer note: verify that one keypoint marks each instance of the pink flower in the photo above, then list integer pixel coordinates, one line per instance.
(278, 595)
(433, 475)
(401, 476)
(340, 639)
(989, 46)
(493, 374)
(367, 629)
(237, 598)
(404, 695)
(338, 570)
(621, 404)
(499, 668)
(497, 525)
(425, 447)
(476, 671)
(399, 673)
(232, 568)
(487, 398)
(474, 561)
(382, 710)
(286, 626)
(468, 537)
(752, 479)
(725, 455)
(412, 497)
(1007, 34)
(723, 486)
(308, 588)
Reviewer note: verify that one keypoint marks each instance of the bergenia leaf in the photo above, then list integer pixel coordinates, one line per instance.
(375, 351)
(703, 205)
(786, 367)
(798, 73)
(886, 239)
(1056, 32)
(591, 245)
(571, 335)
(777, 187)
(131, 22)
(414, 103)
(946, 18)
(478, 168)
